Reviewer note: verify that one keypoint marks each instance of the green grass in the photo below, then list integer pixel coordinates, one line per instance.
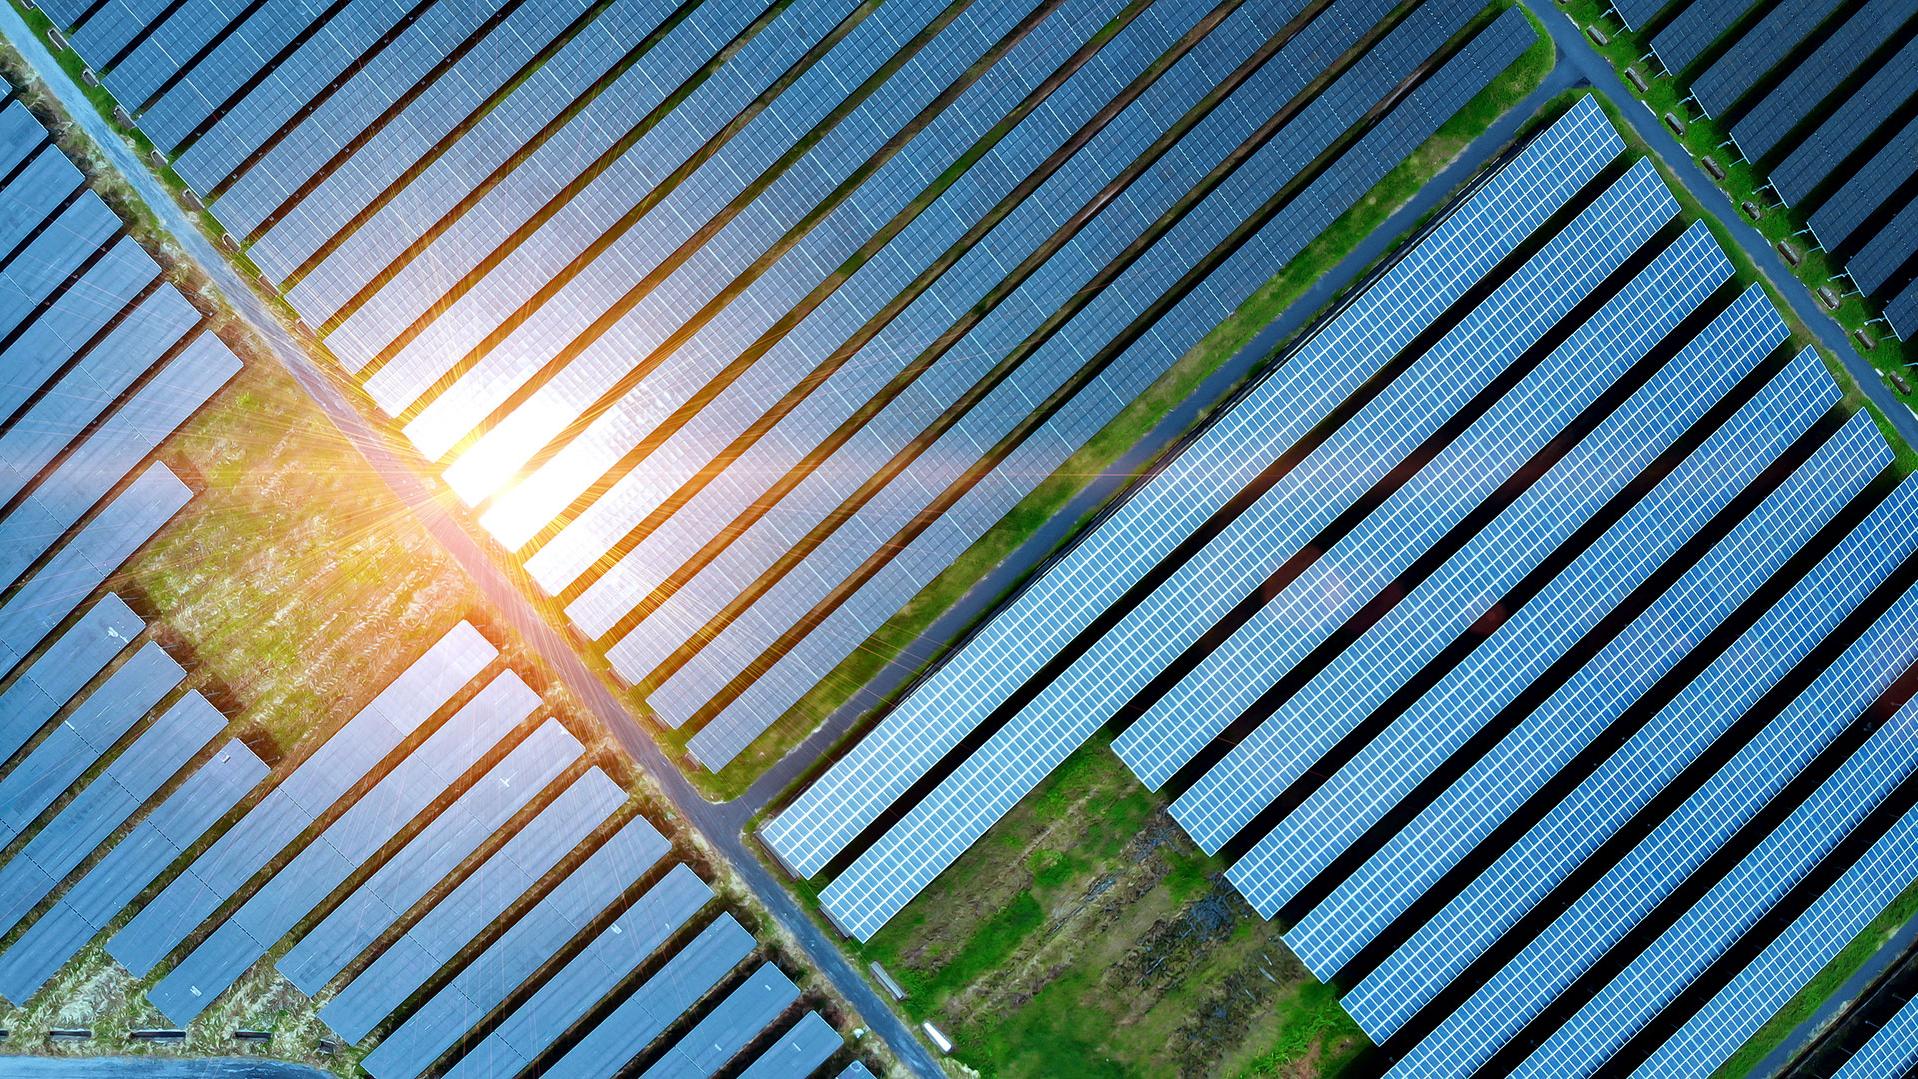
(1813, 995)
(1703, 138)
(894, 642)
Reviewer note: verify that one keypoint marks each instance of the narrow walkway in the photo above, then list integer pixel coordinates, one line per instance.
(719, 824)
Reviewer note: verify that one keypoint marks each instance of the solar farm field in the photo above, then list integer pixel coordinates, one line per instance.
(738, 327)
(1542, 742)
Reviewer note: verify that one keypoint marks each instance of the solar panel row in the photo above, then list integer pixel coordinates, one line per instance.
(1767, 42)
(1814, 79)
(555, 238)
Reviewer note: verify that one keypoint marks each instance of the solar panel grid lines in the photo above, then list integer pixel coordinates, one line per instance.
(105, 803)
(1871, 186)
(1757, 51)
(840, 319)
(594, 972)
(300, 82)
(439, 935)
(308, 146)
(1814, 78)
(1770, 979)
(838, 477)
(495, 247)
(282, 901)
(111, 450)
(1847, 128)
(34, 781)
(87, 559)
(1892, 1049)
(356, 259)
(1692, 31)
(1150, 635)
(792, 667)
(127, 869)
(35, 191)
(1409, 294)
(1902, 312)
(680, 282)
(1637, 13)
(1386, 998)
(421, 125)
(1876, 264)
(72, 661)
(726, 1030)
(79, 310)
(308, 792)
(809, 1043)
(166, 46)
(998, 412)
(114, 26)
(1170, 733)
(55, 252)
(20, 135)
(1648, 873)
(650, 1008)
(1711, 925)
(482, 809)
(518, 953)
(225, 69)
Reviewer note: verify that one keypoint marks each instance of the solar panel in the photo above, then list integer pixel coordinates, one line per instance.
(1548, 850)
(387, 152)
(1217, 464)
(356, 835)
(1790, 960)
(605, 962)
(309, 791)
(1875, 264)
(1902, 312)
(1178, 725)
(652, 1007)
(1814, 78)
(54, 254)
(68, 665)
(1320, 829)
(962, 287)
(87, 559)
(84, 736)
(1847, 127)
(808, 1044)
(98, 810)
(115, 25)
(1285, 517)
(1661, 861)
(856, 1070)
(726, 1029)
(1637, 13)
(127, 869)
(463, 913)
(1892, 1049)
(1705, 931)
(169, 40)
(1757, 51)
(1867, 189)
(36, 190)
(793, 669)
(480, 812)
(1694, 29)
(34, 354)
(226, 68)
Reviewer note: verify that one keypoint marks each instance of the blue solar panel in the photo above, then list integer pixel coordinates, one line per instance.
(389, 151)
(1814, 78)
(726, 1029)
(226, 68)
(52, 256)
(165, 44)
(451, 924)
(605, 962)
(69, 664)
(1848, 126)
(1693, 30)
(35, 191)
(1661, 861)
(1757, 51)
(86, 560)
(799, 1051)
(1309, 837)
(127, 869)
(1704, 932)
(652, 1007)
(106, 803)
(1902, 312)
(1219, 462)
(115, 25)
(428, 857)
(311, 790)
(356, 835)
(1867, 189)
(1875, 263)
(37, 352)
(519, 952)
(1891, 1050)
(1637, 13)
(1789, 961)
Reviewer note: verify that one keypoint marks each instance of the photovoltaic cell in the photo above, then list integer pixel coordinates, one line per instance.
(1848, 126)
(1756, 52)
(68, 665)
(1867, 189)
(1693, 30)
(1891, 1050)
(799, 1051)
(1218, 464)
(726, 1029)
(1814, 78)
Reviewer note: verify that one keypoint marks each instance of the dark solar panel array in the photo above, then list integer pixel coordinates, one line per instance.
(680, 296)
(1530, 843)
